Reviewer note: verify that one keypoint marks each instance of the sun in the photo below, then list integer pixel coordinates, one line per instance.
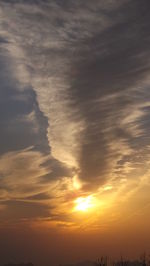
(84, 203)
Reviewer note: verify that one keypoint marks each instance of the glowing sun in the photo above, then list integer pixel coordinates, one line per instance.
(84, 203)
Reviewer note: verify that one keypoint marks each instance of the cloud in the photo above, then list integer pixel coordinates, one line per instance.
(18, 130)
(21, 187)
(85, 68)
(20, 171)
(21, 210)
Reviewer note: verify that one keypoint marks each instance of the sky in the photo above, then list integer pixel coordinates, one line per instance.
(74, 129)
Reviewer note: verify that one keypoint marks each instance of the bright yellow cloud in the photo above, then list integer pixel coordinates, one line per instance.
(84, 203)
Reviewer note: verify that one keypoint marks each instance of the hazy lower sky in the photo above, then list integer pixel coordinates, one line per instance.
(74, 129)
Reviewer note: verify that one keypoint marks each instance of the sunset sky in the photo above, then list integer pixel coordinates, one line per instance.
(74, 129)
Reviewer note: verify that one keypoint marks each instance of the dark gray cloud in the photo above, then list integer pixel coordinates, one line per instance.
(39, 196)
(110, 62)
(15, 210)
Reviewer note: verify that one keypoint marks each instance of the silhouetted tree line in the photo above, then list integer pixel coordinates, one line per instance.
(143, 261)
(103, 261)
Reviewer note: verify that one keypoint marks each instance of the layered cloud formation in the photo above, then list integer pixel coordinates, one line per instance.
(75, 102)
